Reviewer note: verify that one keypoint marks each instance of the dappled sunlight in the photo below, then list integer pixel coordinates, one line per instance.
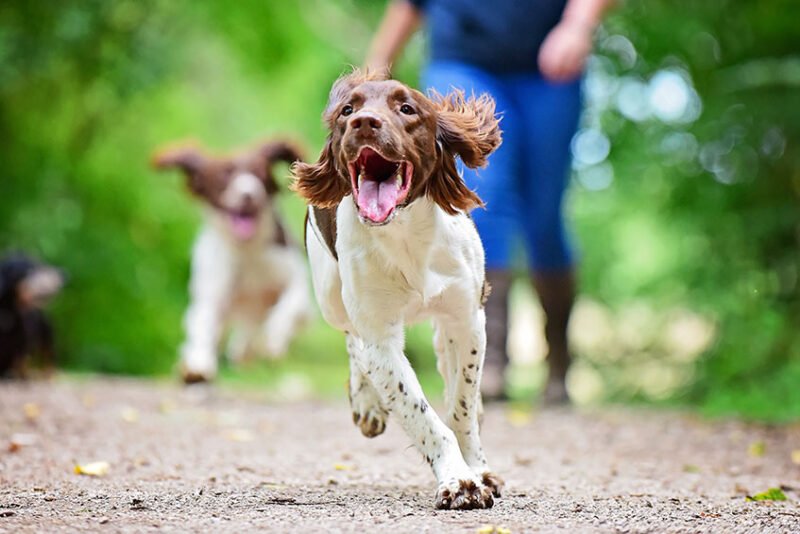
(635, 351)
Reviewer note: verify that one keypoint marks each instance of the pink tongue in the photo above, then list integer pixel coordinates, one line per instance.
(377, 199)
(244, 226)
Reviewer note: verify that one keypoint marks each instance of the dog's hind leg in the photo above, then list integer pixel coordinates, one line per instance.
(368, 412)
(292, 310)
(445, 363)
(464, 351)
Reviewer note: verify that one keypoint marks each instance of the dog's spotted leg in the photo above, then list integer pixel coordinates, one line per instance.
(444, 364)
(464, 350)
(209, 289)
(384, 364)
(368, 413)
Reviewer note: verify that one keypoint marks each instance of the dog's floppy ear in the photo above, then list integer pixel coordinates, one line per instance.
(275, 151)
(467, 126)
(319, 183)
(187, 158)
(271, 152)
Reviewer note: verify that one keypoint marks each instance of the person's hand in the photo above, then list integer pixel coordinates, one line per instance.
(565, 49)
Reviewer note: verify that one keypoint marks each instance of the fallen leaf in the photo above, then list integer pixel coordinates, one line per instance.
(129, 415)
(342, 467)
(690, 468)
(523, 460)
(757, 449)
(166, 406)
(796, 456)
(492, 529)
(518, 417)
(18, 441)
(772, 494)
(239, 434)
(31, 411)
(93, 469)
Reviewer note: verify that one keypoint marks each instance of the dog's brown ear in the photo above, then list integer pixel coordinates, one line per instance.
(275, 151)
(187, 158)
(467, 126)
(272, 152)
(447, 188)
(320, 183)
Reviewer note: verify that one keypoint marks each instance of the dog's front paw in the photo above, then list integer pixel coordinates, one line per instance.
(493, 482)
(464, 495)
(194, 372)
(372, 422)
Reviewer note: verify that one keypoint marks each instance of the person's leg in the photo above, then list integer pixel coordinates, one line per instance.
(497, 185)
(551, 117)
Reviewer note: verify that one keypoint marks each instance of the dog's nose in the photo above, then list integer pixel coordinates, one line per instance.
(366, 121)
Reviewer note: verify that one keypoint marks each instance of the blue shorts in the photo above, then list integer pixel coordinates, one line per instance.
(523, 185)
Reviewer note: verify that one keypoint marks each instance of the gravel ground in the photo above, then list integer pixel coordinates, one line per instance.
(202, 460)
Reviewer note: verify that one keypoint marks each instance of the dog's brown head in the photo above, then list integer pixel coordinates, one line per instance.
(238, 186)
(389, 145)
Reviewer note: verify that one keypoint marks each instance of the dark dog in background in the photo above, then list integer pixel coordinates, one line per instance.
(25, 330)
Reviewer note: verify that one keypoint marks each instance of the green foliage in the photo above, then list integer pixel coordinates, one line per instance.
(772, 494)
(707, 211)
(89, 89)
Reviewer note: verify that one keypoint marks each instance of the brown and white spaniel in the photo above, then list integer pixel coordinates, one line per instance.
(390, 242)
(246, 275)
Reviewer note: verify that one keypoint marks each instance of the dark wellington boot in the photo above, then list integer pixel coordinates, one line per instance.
(493, 382)
(556, 292)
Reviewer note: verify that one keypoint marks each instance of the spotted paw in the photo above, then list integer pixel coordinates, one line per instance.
(372, 423)
(493, 482)
(464, 495)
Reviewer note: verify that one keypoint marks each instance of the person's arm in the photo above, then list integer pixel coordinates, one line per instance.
(400, 21)
(565, 49)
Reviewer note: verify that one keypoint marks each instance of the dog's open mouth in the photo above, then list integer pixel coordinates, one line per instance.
(244, 224)
(379, 185)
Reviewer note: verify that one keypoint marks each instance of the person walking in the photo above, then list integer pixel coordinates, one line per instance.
(529, 55)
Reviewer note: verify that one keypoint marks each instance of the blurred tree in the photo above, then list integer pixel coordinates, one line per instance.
(702, 106)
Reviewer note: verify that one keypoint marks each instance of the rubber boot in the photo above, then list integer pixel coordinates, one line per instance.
(493, 383)
(556, 294)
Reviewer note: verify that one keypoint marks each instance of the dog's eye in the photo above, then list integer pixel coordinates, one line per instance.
(347, 110)
(407, 109)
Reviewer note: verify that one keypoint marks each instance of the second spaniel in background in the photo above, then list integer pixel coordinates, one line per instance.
(247, 277)
(390, 242)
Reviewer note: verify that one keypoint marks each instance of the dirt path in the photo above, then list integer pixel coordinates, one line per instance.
(219, 461)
